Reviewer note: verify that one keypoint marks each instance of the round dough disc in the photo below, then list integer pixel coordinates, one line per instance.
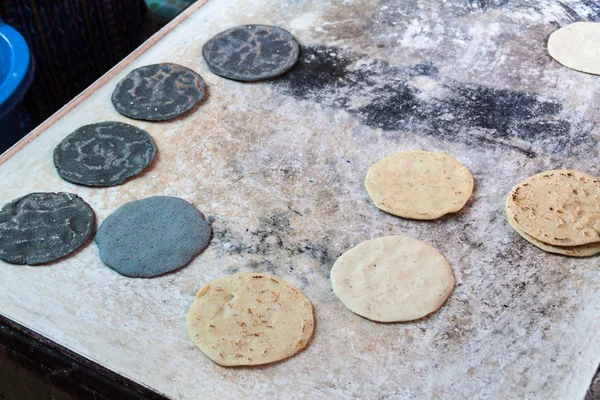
(558, 207)
(42, 227)
(576, 46)
(153, 236)
(392, 278)
(103, 154)
(251, 53)
(419, 184)
(158, 92)
(586, 250)
(250, 319)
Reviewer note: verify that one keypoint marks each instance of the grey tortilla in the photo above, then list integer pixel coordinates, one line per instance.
(251, 53)
(42, 227)
(103, 154)
(158, 92)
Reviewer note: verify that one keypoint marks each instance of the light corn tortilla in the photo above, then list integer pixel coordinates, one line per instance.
(576, 46)
(392, 278)
(250, 319)
(419, 184)
(558, 207)
(586, 250)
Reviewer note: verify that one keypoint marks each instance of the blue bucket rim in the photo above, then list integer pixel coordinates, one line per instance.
(20, 62)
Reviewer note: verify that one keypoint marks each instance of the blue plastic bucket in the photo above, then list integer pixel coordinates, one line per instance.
(16, 74)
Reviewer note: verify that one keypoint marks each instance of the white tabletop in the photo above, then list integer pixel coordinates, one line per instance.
(281, 164)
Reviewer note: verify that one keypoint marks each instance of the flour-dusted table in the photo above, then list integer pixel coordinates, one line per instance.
(280, 166)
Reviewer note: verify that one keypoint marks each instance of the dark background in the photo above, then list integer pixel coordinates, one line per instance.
(74, 42)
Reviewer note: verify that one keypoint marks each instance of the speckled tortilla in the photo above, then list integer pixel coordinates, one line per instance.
(103, 154)
(392, 279)
(158, 92)
(251, 52)
(576, 46)
(153, 236)
(42, 227)
(585, 250)
(419, 184)
(250, 319)
(558, 207)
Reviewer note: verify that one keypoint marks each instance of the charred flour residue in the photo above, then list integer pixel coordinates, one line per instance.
(264, 240)
(391, 12)
(276, 243)
(418, 99)
(593, 12)
(581, 10)
(485, 4)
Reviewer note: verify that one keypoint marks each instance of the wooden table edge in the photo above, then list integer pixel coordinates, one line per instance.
(591, 394)
(102, 80)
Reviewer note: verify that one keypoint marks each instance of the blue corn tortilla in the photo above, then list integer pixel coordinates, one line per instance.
(153, 236)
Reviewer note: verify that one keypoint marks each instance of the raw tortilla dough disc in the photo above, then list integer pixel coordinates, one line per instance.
(103, 154)
(576, 46)
(419, 184)
(251, 53)
(558, 207)
(250, 319)
(586, 250)
(153, 236)
(158, 92)
(392, 278)
(42, 227)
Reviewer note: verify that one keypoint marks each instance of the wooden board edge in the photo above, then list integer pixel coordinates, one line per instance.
(66, 365)
(101, 81)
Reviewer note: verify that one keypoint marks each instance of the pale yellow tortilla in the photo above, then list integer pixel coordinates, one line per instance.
(250, 319)
(559, 207)
(585, 250)
(576, 46)
(392, 278)
(419, 184)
